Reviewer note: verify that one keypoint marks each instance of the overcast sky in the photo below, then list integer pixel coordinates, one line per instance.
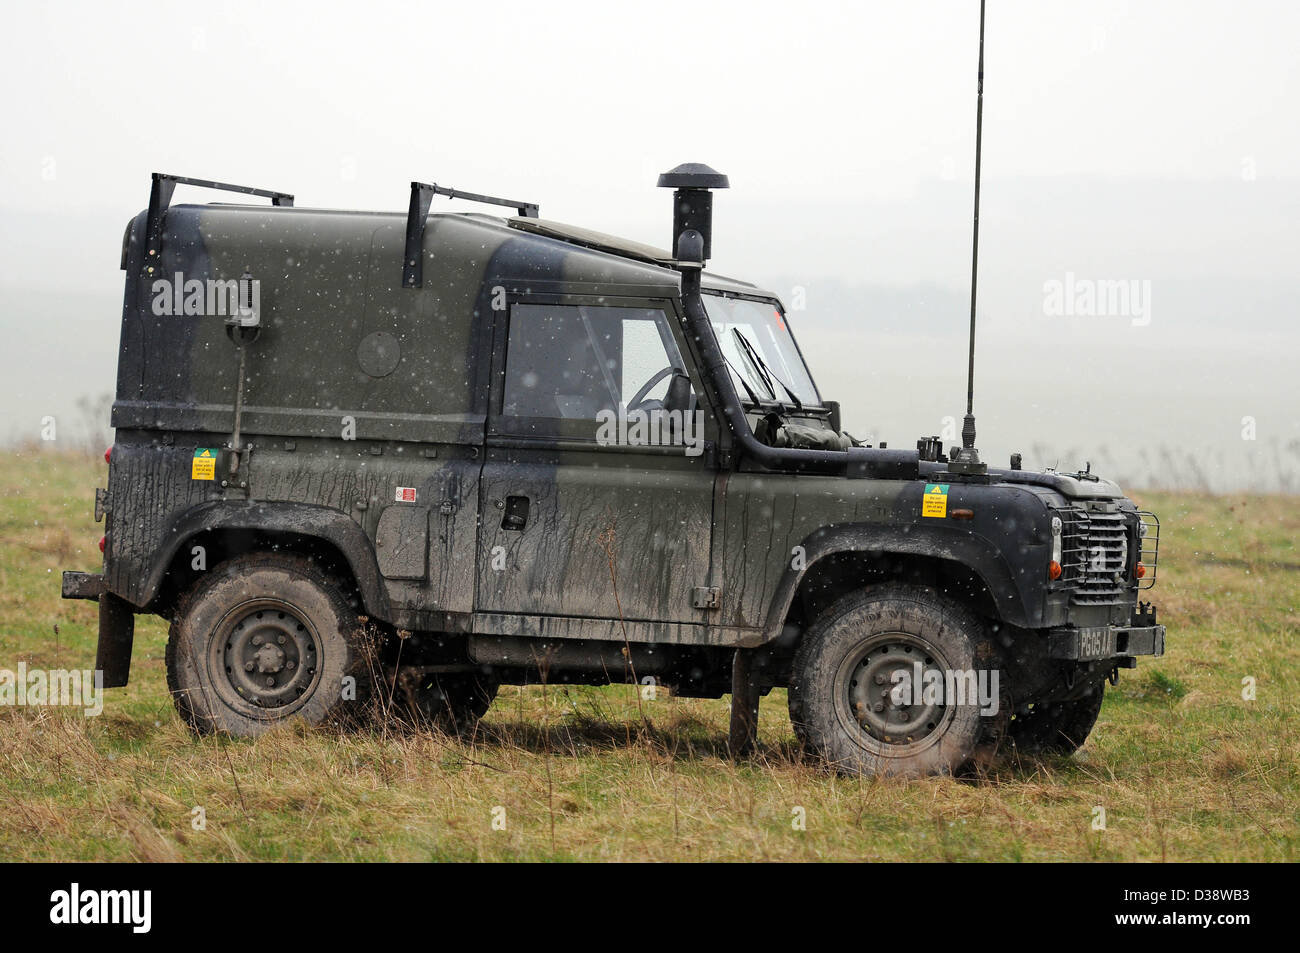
(1148, 141)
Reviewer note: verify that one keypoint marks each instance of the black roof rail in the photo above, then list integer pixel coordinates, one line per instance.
(422, 194)
(160, 196)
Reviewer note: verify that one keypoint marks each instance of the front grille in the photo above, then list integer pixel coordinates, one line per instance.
(1095, 554)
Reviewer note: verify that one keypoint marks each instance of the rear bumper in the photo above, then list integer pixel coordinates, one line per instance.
(82, 585)
(1092, 643)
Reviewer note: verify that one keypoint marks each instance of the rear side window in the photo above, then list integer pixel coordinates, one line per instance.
(571, 362)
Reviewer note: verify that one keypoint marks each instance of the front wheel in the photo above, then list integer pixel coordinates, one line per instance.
(263, 638)
(1056, 728)
(899, 681)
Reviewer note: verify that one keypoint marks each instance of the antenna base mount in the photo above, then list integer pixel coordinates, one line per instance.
(966, 459)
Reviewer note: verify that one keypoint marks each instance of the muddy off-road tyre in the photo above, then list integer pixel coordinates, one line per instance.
(1058, 728)
(842, 693)
(451, 702)
(266, 637)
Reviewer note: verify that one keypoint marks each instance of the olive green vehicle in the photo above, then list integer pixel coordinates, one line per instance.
(417, 456)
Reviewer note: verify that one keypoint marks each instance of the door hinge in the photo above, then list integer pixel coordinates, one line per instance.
(706, 597)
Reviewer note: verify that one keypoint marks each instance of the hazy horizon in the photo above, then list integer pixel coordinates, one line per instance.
(1123, 143)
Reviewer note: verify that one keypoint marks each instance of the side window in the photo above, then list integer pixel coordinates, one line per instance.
(644, 355)
(570, 362)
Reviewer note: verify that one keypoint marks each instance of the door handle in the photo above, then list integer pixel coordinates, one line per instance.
(515, 516)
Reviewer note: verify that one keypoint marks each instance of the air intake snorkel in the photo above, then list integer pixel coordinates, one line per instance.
(692, 183)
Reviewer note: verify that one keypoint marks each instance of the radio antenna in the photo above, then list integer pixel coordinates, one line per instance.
(967, 458)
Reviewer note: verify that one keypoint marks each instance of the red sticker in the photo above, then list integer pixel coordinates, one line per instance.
(405, 494)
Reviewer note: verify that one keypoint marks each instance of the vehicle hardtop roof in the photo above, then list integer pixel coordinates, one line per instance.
(628, 248)
(637, 258)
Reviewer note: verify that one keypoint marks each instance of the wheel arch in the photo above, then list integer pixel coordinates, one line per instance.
(839, 559)
(229, 529)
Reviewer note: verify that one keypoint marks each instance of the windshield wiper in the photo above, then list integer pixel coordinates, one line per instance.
(749, 391)
(767, 373)
(748, 350)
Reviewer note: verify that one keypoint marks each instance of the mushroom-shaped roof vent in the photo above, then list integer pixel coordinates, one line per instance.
(693, 175)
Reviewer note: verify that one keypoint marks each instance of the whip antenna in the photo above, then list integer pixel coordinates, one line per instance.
(967, 458)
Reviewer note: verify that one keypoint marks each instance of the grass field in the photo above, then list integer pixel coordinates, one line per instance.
(1184, 766)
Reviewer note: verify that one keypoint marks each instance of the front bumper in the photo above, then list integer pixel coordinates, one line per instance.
(1092, 643)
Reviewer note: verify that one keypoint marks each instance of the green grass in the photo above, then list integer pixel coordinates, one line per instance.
(1185, 768)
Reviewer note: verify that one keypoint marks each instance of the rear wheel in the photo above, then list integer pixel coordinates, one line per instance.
(263, 638)
(898, 681)
(1058, 728)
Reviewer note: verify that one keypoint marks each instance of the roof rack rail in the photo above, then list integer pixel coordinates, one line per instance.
(422, 194)
(160, 196)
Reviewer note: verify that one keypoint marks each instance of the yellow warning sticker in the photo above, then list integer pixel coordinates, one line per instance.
(204, 466)
(935, 500)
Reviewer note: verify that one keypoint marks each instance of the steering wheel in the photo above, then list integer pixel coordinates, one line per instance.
(639, 397)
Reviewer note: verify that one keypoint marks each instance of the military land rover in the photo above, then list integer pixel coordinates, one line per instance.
(429, 454)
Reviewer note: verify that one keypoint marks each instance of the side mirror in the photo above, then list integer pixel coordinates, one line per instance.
(834, 407)
(678, 395)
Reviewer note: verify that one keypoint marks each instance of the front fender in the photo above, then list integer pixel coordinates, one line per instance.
(1017, 590)
(778, 527)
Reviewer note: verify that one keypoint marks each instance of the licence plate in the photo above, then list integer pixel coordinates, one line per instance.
(1096, 642)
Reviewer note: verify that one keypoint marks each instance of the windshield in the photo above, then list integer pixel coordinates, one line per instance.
(759, 350)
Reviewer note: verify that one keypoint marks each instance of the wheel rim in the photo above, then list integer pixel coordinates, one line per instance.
(882, 713)
(265, 656)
